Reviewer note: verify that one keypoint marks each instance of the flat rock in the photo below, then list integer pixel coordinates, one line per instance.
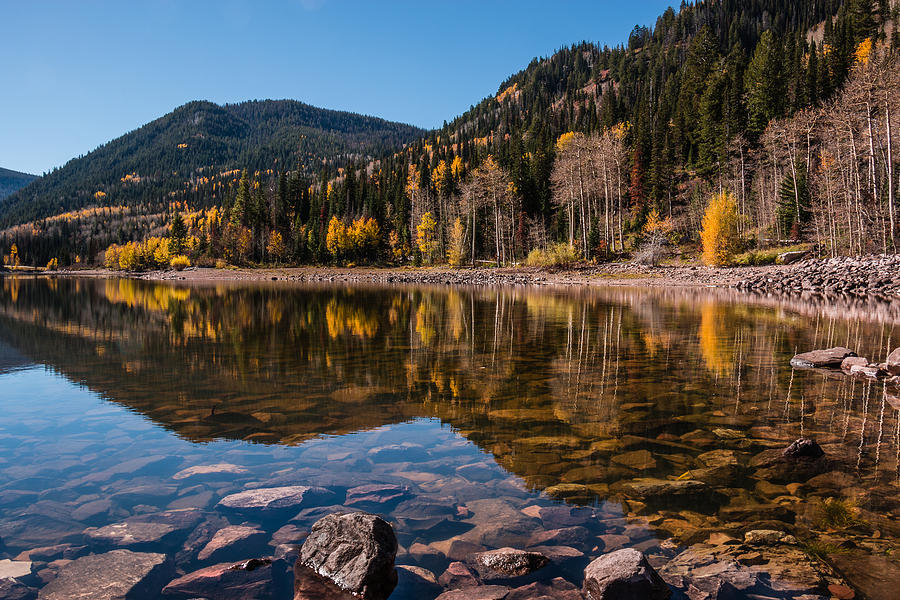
(264, 500)
(356, 551)
(164, 528)
(874, 576)
(563, 516)
(853, 361)
(13, 569)
(233, 543)
(209, 470)
(768, 537)
(650, 488)
(555, 589)
(483, 592)
(640, 460)
(817, 359)
(115, 575)
(623, 575)
(375, 495)
(247, 580)
(508, 562)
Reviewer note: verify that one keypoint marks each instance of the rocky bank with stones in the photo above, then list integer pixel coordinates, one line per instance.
(876, 275)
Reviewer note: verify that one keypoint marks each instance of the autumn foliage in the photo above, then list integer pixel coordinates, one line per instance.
(720, 230)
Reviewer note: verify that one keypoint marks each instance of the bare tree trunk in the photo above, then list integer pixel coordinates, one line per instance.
(890, 174)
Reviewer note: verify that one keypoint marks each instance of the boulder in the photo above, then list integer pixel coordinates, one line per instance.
(262, 501)
(623, 575)
(818, 359)
(507, 562)
(233, 543)
(768, 537)
(248, 580)
(892, 364)
(853, 361)
(355, 551)
(803, 448)
(114, 575)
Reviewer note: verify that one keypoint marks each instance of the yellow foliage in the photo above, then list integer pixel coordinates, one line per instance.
(456, 250)
(180, 262)
(656, 225)
(863, 52)
(437, 177)
(336, 240)
(456, 167)
(425, 235)
(565, 139)
(720, 230)
(99, 195)
(53, 264)
(182, 146)
(276, 247)
(511, 90)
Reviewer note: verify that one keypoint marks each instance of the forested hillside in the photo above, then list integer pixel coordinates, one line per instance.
(12, 181)
(782, 108)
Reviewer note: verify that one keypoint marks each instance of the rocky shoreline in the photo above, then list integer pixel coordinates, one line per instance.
(876, 276)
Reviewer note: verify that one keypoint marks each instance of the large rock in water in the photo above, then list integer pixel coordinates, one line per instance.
(893, 362)
(354, 551)
(803, 448)
(116, 575)
(624, 575)
(818, 359)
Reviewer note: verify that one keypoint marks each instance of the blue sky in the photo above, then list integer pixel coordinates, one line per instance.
(79, 73)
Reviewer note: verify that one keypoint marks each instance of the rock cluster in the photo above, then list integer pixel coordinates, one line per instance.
(877, 275)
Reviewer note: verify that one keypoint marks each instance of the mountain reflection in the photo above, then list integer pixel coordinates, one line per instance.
(559, 385)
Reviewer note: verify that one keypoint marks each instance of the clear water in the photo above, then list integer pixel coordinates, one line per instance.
(484, 402)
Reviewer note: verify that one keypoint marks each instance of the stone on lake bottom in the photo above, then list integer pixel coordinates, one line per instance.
(233, 543)
(508, 562)
(556, 589)
(248, 580)
(10, 589)
(623, 575)
(356, 551)
(483, 592)
(114, 575)
(262, 500)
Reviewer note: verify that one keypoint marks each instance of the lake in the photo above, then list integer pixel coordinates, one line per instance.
(470, 418)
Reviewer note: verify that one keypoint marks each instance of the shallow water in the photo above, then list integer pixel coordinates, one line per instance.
(478, 403)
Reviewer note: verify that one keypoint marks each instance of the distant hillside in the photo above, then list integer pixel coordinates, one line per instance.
(13, 181)
(194, 145)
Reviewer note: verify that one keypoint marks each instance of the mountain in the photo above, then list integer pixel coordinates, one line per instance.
(13, 181)
(199, 143)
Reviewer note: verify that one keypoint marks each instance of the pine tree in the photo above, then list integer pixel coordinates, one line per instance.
(764, 84)
(177, 234)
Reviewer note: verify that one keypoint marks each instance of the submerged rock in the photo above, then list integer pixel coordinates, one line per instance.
(556, 589)
(115, 575)
(248, 580)
(508, 562)
(803, 448)
(233, 543)
(483, 592)
(623, 575)
(167, 528)
(355, 551)
(267, 500)
(817, 359)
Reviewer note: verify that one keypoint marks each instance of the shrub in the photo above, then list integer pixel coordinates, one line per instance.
(554, 256)
(53, 264)
(456, 249)
(720, 233)
(180, 262)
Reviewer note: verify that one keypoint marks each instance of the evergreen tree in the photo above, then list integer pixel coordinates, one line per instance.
(764, 84)
(177, 234)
